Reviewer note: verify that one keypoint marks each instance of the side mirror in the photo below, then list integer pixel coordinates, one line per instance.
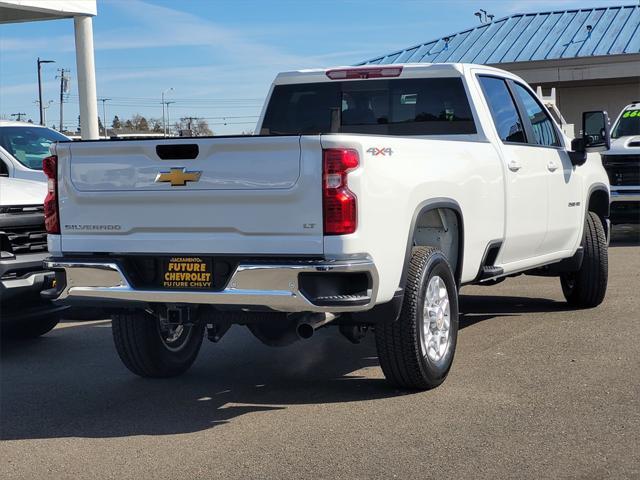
(596, 137)
(595, 131)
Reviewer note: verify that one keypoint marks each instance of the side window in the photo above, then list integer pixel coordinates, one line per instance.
(4, 170)
(543, 131)
(503, 110)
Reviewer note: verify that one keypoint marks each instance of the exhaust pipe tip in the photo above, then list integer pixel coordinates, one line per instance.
(305, 330)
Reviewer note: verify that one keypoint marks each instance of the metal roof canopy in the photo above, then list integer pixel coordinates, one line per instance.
(82, 11)
(15, 11)
(554, 35)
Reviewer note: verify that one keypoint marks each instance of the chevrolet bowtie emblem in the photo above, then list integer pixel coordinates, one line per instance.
(178, 177)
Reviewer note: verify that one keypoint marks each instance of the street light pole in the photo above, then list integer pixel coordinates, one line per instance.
(40, 62)
(104, 115)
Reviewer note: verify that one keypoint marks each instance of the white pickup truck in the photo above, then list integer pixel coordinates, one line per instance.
(366, 199)
(622, 164)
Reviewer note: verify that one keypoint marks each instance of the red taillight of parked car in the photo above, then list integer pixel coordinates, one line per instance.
(51, 214)
(339, 203)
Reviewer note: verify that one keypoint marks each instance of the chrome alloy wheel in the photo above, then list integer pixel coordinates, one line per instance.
(436, 316)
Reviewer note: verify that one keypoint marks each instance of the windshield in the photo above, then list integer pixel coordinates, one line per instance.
(431, 106)
(628, 124)
(29, 145)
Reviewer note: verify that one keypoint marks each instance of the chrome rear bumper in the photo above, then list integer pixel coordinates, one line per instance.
(274, 286)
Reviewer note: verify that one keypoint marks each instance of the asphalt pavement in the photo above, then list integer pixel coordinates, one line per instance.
(537, 390)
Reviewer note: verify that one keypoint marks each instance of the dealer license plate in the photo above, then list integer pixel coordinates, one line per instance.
(187, 272)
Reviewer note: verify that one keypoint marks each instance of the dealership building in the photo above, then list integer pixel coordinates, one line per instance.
(590, 56)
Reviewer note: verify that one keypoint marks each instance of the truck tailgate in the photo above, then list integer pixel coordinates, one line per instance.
(227, 195)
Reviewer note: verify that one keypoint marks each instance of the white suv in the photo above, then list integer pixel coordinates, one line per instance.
(23, 146)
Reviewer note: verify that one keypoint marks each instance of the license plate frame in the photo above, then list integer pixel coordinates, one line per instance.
(187, 272)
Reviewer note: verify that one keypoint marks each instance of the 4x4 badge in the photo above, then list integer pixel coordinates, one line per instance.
(178, 177)
(375, 151)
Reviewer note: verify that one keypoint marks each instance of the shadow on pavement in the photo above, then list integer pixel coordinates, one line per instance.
(70, 383)
(477, 308)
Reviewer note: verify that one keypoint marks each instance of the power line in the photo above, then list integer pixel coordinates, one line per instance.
(153, 99)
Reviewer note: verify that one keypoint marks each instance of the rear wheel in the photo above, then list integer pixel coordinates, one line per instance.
(587, 287)
(417, 350)
(150, 348)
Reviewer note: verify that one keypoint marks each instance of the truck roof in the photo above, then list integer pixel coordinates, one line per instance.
(407, 70)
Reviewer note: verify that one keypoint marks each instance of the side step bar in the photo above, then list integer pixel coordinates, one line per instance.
(490, 271)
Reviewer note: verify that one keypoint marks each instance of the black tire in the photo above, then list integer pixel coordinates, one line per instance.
(399, 344)
(32, 327)
(587, 287)
(142, 349)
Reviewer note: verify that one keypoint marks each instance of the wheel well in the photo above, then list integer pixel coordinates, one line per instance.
(441, 228)
(599, 204)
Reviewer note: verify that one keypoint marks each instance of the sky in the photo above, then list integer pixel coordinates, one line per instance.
(220, 56)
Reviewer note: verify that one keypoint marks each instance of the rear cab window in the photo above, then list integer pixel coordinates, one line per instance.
(427, 106)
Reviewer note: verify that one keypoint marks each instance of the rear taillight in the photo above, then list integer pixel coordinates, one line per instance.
(339, 203)
(51, 214)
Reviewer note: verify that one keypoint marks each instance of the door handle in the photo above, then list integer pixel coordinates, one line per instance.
(514, 166)
(552, 167)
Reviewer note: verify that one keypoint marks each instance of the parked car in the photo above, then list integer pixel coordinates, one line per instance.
(369, 197)
(23, 146)
(622, 163)
(23, 247)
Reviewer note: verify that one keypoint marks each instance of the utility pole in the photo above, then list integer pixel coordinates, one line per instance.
(40, 62)
(189, 120)
(168, 118)
(164, 122)
(104, 114)
(19, 115)
(64, 88)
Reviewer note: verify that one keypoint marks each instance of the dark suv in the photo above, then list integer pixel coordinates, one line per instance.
(23, 246)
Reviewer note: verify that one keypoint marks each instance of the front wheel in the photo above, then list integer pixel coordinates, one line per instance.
(587, 287)
(417, 350)
(150, 348)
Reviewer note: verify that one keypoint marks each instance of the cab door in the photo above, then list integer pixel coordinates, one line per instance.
(525, 176)
(563, 184)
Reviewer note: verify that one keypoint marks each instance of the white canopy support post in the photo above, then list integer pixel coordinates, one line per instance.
(86, 77)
